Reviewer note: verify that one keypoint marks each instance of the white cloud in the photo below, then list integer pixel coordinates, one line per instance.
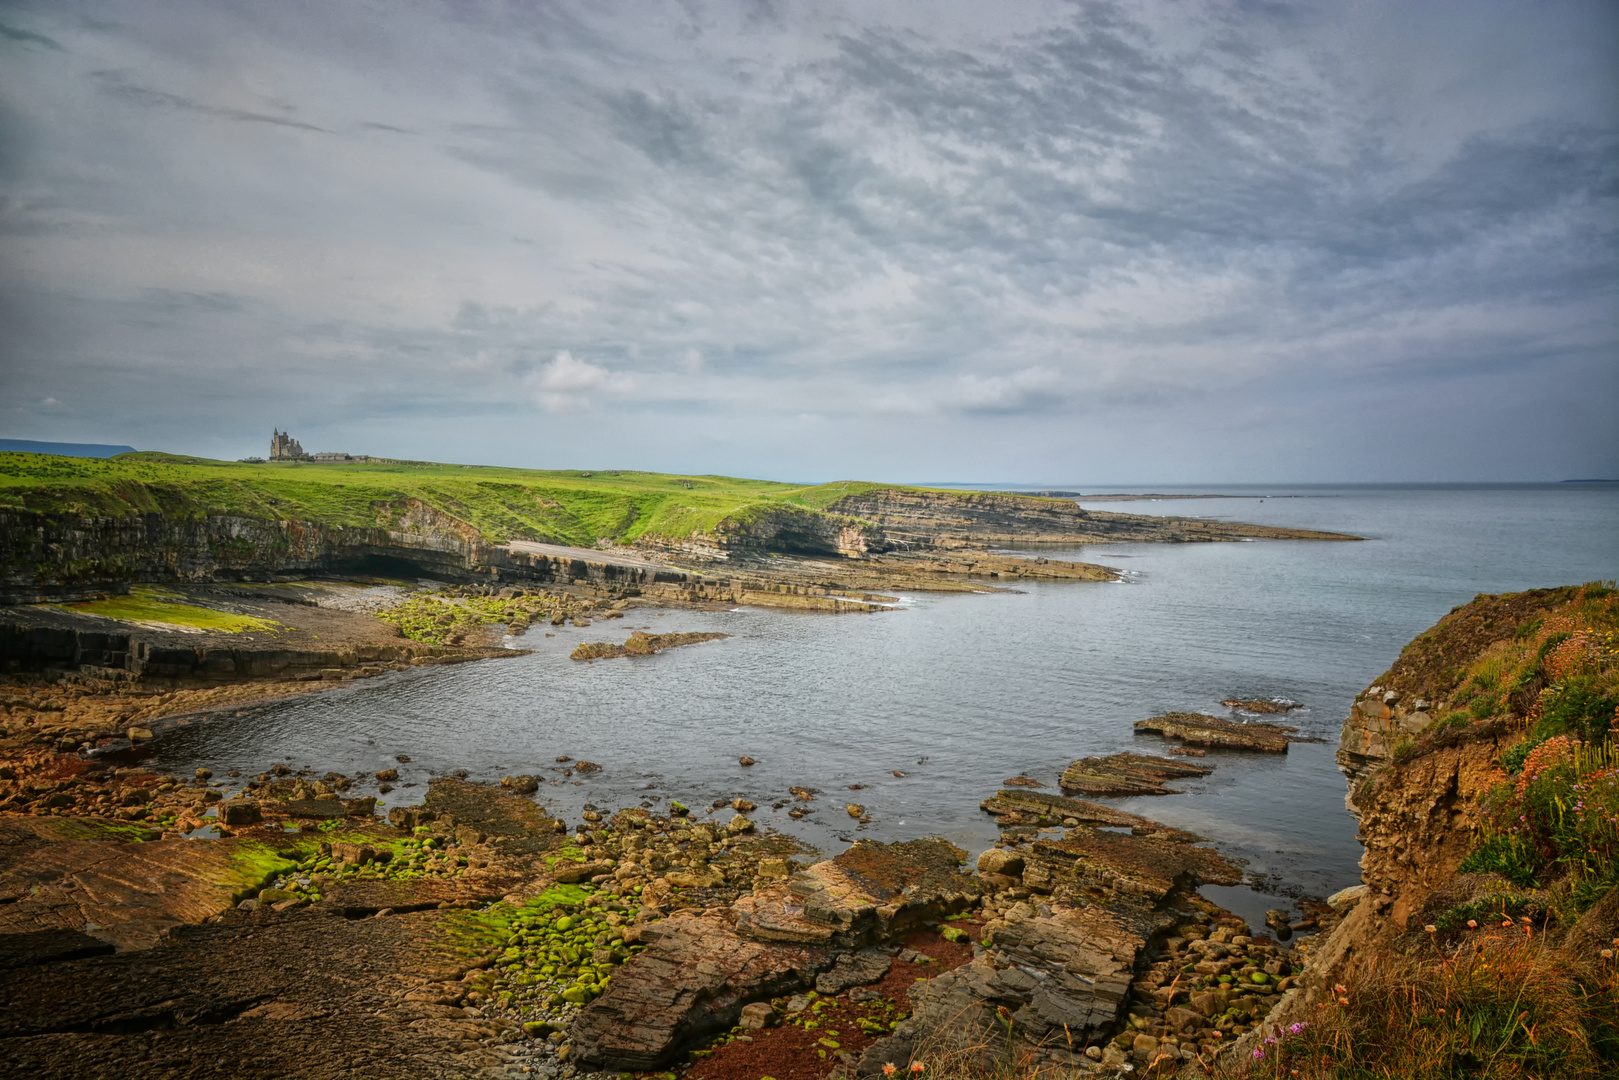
(565, 383)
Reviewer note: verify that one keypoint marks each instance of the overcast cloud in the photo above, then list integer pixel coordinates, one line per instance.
(1042, 242)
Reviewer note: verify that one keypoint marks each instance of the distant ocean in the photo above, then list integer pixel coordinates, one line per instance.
(961, 692)
(64, 449)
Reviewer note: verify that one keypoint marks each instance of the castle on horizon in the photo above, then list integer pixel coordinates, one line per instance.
(283, 447)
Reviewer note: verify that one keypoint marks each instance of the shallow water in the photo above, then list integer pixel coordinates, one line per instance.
(961, 692)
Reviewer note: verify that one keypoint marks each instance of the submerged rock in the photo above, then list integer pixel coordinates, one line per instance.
(1016, 809)
(1262, 705)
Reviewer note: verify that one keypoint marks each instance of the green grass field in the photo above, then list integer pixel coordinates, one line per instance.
(571, 507)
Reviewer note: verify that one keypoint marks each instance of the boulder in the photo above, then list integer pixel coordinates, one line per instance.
(365, 806)
(706, 877)
(1062, 979)
(239, 812)
(1001, 861)
(868, 893)
(409, 817)
(772, 870)
(757, 1016)
(858, 968)
(1180, 1019)
(1344, 899)
(567, 873)
(355, 854)
(523, 785)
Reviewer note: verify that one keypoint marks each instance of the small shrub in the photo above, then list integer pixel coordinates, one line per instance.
(1506, 855)
(1583, 707)
(1450, 720)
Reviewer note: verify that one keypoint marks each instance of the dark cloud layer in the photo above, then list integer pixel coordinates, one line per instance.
(1059, 243)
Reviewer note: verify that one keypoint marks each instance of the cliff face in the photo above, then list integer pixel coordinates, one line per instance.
(56, 557)
(119, 653)
(793, 530)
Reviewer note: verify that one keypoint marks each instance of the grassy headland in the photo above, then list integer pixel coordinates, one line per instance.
(556, 506)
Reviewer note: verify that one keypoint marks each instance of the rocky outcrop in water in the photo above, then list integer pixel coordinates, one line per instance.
(1127, 774)
(640, 643)
(1199, 729)
(925, 519)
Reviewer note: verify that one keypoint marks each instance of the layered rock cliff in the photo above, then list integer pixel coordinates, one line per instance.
(55, 557)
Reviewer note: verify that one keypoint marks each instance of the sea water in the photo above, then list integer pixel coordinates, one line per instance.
(931, 706)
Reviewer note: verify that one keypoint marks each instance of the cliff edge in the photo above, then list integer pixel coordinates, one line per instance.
(1481, 942)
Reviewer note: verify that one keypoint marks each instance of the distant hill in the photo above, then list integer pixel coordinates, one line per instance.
(64, 449)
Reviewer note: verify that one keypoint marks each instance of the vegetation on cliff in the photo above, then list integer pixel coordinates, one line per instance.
(1540, 660)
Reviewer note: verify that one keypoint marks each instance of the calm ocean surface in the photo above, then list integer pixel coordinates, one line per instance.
(961, 692)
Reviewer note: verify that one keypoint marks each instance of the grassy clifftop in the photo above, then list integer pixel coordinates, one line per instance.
(572, 507)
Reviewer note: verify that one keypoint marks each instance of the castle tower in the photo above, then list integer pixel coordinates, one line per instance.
(283, 447)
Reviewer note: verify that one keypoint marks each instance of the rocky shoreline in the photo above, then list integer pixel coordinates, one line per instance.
(161, 925)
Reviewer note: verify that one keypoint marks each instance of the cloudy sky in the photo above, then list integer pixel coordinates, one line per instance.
(1053, 243)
